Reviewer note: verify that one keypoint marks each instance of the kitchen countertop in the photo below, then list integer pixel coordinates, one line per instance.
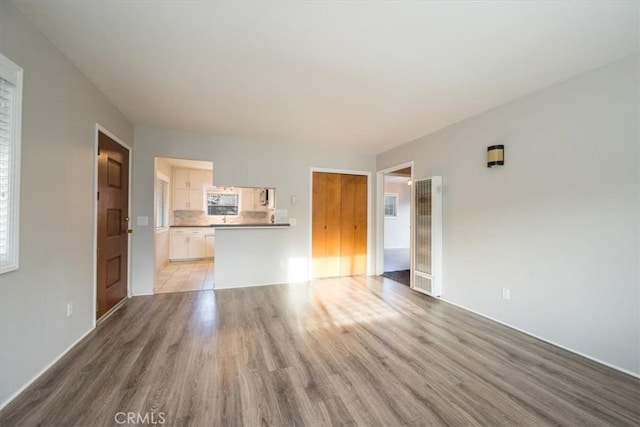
(262, 225)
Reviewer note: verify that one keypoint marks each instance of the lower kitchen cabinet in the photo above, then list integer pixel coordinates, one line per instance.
(190, 243)
(209, 246)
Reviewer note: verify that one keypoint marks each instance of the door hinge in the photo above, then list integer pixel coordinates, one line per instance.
(98, 254)
(98, 195)
(98, 151)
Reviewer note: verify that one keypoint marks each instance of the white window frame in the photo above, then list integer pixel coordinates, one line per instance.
(165, 214)
(13, 74)
(395, 205)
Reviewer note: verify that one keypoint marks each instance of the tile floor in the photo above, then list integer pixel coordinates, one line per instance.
(185, 276)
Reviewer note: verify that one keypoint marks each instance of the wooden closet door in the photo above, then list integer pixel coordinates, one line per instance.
(325, 246)
(347, 224)
(360, 225)
(319, 224)
(333, 230)
(339, 225)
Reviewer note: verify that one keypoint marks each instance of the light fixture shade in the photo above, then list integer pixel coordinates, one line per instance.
(495, 155)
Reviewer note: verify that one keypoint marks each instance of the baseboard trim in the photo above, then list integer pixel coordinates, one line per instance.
(45, 369)
(113, 310)
(221, 288)
(61, 355)
(586, 356)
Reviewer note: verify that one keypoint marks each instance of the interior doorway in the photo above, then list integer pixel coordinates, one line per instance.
(397, 225)
(184, 238)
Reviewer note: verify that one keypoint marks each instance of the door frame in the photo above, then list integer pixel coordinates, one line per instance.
(370, 252)
(99, 128)
(380, 216)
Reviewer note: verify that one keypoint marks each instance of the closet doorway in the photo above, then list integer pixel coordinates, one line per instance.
(339, 224)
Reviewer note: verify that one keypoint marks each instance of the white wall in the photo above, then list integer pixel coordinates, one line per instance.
(60, 111)
(162, 236)
(243, 257)
(558, 224)
(397, 230)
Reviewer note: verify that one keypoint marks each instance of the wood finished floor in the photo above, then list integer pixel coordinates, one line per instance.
(354, 351)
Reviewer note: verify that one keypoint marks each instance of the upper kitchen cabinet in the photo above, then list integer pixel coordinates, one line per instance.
(257, 199)
(188, 188)
(192, 178)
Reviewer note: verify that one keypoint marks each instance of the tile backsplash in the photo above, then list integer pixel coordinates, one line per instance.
(200, 218)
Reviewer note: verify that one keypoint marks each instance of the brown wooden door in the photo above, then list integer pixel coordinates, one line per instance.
(347, 224)
(339, 224)
(360, 226)
(319, 224)
(113, 217)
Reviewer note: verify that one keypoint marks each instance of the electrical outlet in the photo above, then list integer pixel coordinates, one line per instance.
(506, 293)
(69, 308)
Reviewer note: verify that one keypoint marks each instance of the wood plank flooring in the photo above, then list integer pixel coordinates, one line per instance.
(352, 351)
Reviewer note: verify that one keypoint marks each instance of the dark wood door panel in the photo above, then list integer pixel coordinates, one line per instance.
(113, 238)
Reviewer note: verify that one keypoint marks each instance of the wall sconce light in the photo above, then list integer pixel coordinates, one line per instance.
(409, 183)
(495, 155)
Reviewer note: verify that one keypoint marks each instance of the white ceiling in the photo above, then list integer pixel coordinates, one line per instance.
(361, 75)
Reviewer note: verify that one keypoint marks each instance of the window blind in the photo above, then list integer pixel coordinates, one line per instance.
(162, 189)
(7, 198)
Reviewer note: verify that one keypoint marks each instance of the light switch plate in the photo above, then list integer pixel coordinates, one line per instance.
(142, 220)
(292, 221)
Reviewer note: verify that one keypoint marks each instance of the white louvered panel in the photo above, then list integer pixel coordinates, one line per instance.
(7, 91)
(422, 283)
(161, 202)
(427, 254)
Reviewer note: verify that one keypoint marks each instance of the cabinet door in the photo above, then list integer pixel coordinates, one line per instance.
(247, 199)
(210, 246)
(180, 199)
(196, 245)
(196, 200)
(207, 178)
(196, 179)
(178, 248)
(180, 178)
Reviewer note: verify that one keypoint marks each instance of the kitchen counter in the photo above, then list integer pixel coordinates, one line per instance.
(233, 226)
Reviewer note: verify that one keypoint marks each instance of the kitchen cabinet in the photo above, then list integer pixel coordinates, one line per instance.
(248, 199)
(188, 200)
(257, 199)
(188, 188)
(189, 243)
(192, 178)
(209, 246)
